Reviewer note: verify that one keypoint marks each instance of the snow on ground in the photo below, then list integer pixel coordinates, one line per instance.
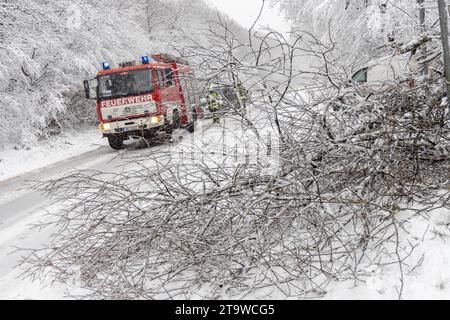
(426, 273)
(12, 285)
(427, 277)
(15, 162)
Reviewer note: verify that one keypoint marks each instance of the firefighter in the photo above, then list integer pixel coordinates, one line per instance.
(215, 105)
(242, 92)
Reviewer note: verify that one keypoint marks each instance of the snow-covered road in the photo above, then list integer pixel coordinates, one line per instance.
(21, 207)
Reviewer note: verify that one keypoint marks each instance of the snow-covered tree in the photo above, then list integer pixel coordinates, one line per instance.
(361, 29)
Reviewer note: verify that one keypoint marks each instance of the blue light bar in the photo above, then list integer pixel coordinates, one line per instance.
(106, 66)
(145, 59)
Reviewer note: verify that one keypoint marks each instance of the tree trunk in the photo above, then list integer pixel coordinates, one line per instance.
(444, 36)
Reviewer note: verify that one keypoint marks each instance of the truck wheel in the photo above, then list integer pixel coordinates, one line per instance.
(169, 129)
(194, 114)
(191, 127)
(115, 142)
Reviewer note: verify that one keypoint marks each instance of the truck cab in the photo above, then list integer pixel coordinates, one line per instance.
(156, 96)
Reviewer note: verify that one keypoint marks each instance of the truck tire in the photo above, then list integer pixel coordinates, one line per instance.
(191, 127)
(169, 130)
(115, 142)
(194, 114)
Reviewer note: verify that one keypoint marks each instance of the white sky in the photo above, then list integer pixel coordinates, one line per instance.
(245, 12)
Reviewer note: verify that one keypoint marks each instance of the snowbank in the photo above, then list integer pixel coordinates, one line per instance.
(17, 161)
(427, 275)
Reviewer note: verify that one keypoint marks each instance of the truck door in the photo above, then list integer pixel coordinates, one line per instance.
(188, 97)
(168, 92)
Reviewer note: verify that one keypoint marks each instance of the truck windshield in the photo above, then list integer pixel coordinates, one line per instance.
(126, 83)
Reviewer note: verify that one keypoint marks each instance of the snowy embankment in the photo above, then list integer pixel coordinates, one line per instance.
(426, 273)
(35, 157)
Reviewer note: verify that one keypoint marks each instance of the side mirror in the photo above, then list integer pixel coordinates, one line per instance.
(86, 89)
(89, 89)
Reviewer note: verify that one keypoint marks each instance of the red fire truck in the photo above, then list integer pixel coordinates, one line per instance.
(158, 95)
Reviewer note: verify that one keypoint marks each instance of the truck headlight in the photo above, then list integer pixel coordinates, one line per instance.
(106, 126)
(155, 120)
